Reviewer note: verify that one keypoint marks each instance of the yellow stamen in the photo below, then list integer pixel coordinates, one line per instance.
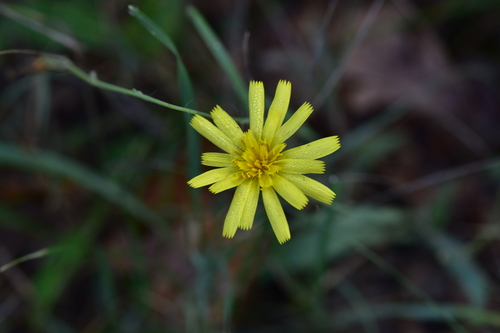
(258, 160)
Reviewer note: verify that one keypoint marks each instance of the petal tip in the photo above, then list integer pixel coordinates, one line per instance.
(228, 233)
(284, 239)
(303, 206)
(331, 198)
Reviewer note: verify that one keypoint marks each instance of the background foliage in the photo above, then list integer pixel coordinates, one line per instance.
(100, 233)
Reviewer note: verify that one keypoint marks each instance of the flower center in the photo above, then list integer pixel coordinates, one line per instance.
(258, 160)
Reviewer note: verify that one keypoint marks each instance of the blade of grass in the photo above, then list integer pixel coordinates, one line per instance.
(342, 224)
(470, 314)
(490, 231)
(452, 254)
(359, 305)
(186, 88)
(293, 45)
(403, 280)
(229, 298)
(154, 29)
(34, 255)
(56, 165)
(36, 26)
(12, 94)
(42, 87)
(105, 285)
(187, 97)
(69, 254)
(320, 39)
(460, 265)
(12, 219)
(219, 52)
(442, 203)
(139, 285)
(334, 78)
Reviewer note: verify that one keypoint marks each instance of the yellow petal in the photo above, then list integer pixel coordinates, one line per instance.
(251, 141)
(301, 166)
(256, 106)
(310, 187)
(226, 184)
(276, 214)
(293, 124)
(277, 110)
(315, 149)
(217, 159)
(265, 180)
(212, 133)
(250, 207)
(212, 176)
(282, 98)
(236, 209)
(228, 126)
(289, 192)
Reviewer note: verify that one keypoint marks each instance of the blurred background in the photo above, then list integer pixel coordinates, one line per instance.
(99, 231)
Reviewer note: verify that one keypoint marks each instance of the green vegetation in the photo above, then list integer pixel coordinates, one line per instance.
(99, 231)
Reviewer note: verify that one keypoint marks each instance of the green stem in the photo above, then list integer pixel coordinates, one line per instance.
(93, 80)
(61, 63)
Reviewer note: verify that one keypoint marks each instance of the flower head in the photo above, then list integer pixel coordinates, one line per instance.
(256, 161)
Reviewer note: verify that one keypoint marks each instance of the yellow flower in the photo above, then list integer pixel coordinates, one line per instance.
(256, 161)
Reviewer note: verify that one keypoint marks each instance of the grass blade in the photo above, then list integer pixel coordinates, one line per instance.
(56, 165)
(63, 39)
(154, 29)
(335, 77)
(428, 301)
(219, 52)
(68, 255)
(460, 264)
(417, 311)
(187, 96)
(359, 306)
(34, 255)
